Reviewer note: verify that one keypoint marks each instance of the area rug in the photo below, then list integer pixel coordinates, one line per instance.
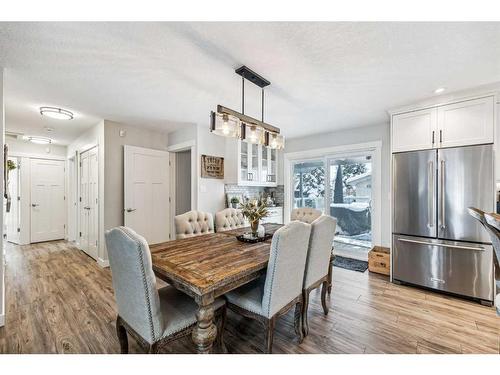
(350, 264)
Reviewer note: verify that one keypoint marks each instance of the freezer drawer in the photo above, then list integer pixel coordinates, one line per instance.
(456, 267)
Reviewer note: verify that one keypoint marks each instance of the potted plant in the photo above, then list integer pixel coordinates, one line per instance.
(234, 202)
(254, 210)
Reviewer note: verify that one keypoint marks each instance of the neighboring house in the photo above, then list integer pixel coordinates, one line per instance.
(362, 186)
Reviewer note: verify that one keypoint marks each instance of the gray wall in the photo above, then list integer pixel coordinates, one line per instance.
(113, 164)
(353, 136)
(19, 147)
(182, 182)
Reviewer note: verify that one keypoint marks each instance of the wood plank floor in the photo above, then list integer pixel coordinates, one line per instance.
(60, 301)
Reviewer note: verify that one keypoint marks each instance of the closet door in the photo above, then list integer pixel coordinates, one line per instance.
(89, 202)
(48, 213)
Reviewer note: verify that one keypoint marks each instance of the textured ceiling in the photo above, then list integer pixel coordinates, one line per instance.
(325, 76)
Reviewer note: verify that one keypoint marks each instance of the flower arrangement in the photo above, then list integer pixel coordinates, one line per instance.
(254, 211)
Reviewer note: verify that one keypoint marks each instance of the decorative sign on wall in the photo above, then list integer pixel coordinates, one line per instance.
(212, 167)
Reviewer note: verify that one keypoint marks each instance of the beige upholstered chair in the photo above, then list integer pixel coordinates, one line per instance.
(272, 296)
(318, 263)
(152, 317)
(228, 219)
(305, 214)
(193, 223)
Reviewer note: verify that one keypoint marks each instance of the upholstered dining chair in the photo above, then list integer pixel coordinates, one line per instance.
(152, 317)
(228, 219)
(491, 223)
(193, 223)
(305, 214)
(272, 296)
(317, 271)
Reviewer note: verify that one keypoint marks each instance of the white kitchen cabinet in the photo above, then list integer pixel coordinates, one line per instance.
(252, 164)
(462, 123)
(469, 122)
(414, 130)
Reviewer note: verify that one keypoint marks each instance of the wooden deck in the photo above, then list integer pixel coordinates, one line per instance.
(60, 301)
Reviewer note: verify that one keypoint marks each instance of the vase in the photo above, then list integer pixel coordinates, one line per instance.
(255, 227)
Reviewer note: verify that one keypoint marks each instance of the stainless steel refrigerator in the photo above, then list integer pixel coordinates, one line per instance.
(436, 244)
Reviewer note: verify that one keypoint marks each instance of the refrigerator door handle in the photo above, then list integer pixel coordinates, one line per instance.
(478, 248)
(443, 198)
(430, 199)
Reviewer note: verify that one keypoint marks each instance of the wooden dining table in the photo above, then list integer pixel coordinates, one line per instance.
(208, 266)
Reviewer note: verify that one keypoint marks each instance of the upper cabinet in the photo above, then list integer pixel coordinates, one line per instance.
(414, 130)
(463, 123)
(470, 122)
(252, 165)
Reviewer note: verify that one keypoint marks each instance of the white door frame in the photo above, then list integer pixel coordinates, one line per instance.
(178, 147)
(373, 148)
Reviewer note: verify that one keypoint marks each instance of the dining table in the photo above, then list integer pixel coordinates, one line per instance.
(208, 266)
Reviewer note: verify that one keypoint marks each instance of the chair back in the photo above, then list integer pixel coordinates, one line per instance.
(305, 214)
(134, 282)
(285, 271)
(193, 223)
(320, 249)
(230, 218)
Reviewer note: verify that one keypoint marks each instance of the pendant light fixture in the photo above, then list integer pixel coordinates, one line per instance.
(229, 123)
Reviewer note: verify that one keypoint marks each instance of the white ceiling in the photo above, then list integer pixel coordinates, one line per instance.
(325, 76)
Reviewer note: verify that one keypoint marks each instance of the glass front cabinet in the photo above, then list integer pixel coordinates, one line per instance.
(253, 164)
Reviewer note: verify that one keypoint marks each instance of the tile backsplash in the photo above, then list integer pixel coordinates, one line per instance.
(255, 191)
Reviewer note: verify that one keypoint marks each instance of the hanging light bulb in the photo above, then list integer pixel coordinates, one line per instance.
(225, 125)
(275, 141)
(254, 134)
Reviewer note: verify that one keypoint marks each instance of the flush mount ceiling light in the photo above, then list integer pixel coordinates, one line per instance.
(57, 113)
(40, 140)
(439, 90)
(229, 123)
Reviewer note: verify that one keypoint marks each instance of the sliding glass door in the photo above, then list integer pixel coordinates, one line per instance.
(309, 184)
(340, 186)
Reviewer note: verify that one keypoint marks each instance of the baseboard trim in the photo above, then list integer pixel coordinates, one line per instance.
(2, 320)
(102, 263)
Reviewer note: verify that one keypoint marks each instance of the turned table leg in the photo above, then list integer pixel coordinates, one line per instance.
(205, 332)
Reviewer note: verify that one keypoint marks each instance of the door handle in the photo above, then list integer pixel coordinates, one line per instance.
(130, 209)
(430, 199)
(443, 198)
(433, 132)
(462, 247)
(34, 205)
(87, 208)
(440, 136)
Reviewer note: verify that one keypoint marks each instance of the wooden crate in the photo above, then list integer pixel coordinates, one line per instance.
(379, 260)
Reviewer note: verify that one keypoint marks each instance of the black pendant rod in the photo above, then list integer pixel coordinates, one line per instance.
(243, 93)
(262, 105)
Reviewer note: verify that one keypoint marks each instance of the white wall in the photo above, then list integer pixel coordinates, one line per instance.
(356, 136)
(19, 147)
(113, 165)
(210, 191)
(2, 262)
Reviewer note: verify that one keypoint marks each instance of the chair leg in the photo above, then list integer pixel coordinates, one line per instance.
(298, 321)
(330, 274)
(270, 335)
(219, 341)
(154, 348)
(324, 288)
(121, 332)
(305, 307)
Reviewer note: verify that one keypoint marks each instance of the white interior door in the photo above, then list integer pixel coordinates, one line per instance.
(88, 236)
(147, 191)
(48, 213)
(13, 217)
